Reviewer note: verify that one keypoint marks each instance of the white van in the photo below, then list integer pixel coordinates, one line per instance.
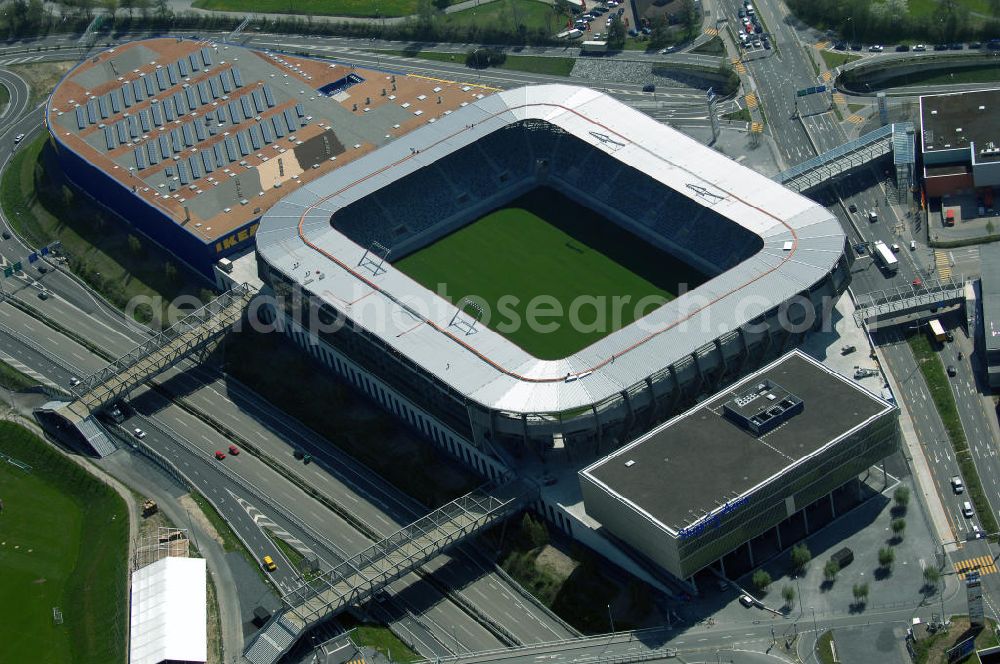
(967, 510)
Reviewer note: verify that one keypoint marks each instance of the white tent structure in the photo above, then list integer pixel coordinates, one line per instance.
(169, 615)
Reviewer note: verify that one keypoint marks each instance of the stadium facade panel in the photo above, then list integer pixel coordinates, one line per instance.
(775, 260)
(705, 483)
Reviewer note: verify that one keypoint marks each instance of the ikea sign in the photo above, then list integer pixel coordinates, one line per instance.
(237, 238)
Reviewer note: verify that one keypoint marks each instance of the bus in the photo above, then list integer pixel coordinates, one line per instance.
(937, 330)
(886, 257)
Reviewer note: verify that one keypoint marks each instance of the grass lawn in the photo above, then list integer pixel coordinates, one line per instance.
(43, 206)
(532, 14)
(933, 650)
(742, 114)
(823, 651)
(14, 380)
(379, 638)
(944, 401)
(63, 543)
(980, 74)
(372, 8)
(536, 64)
(537, 267)
(713, 46)
(932, 8)
(4, 96)
(834, 59)
(854, 108)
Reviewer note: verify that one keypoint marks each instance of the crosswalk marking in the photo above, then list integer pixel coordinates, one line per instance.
(942, 263)
(738, 66)
(839, 98)
(827, 76)
(20, 61)
(712, 31)
(821, 45)
(751, 100)
(757, 127)
(855, 118)
(983, 564)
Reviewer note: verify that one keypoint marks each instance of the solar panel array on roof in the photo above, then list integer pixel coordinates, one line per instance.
(255, 138)
(258, 101)
(203, 93)
(291, 120)
(133, 126)
(195, 62)
(157, 114)
(237, 77)
(241, 138)
(268, 132)
(231, 150)
(81, 121)
(179, 104)
(214, 83)
(164, 147)
(172, 73)
(220, 114)
(144, 120)
(182, 67)
(127, 95)
(192, 100)
(269, 95)
(206, 57)
(300, 110)
(279, 125)
(91, 111)
(116, 101)
(207, 161)
(247, 108)
(138, 91)
(226, 78)
(175, 140)
(188, 135)
(161, 79)
(102, 105)
(219, 157)
(140, 159)
(182, 173)
(109, 139)
(199, 129)
(195, 167)
(234, 112)
(168, 111)
(120, 128)
(150, 90)
(153, 152)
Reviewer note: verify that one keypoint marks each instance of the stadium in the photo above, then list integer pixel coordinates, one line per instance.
(190, 141)
(419, 274)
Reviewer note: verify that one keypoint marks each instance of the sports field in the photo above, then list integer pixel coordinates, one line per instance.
(63, 544)
(546, 259)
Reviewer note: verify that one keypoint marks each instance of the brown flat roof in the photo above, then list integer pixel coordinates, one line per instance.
(240, 127)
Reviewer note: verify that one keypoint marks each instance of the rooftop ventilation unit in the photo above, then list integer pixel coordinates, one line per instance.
(763, 408)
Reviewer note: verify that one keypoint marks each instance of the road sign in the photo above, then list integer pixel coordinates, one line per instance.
(17, 266)
(8, 271)
(32, 257)
(810, 91)
(710, 95)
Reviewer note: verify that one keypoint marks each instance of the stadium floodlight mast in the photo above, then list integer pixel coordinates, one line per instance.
(375, 257)
(467, 326)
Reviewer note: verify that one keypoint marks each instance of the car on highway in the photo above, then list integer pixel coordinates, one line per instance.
(139, 433)
(920, 47)
(852, 207)
(44, 295)
(956, 484)
(952, 371)
(967, 510)
(649, 87)
(220, 455)
(18, 138)
(268, 563)
(669, 49)
(74, 381)
(233, 450)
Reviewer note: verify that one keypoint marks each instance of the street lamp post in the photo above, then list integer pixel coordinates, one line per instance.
(611, 619)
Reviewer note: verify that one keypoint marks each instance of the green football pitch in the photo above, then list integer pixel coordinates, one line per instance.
(553, 276)
(63, 546)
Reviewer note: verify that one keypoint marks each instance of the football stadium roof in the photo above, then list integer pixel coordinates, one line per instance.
(802, 243)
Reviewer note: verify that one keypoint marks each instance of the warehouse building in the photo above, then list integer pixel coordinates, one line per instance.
(192, 141)
(746, 473)
(990, 294)
(960, 141)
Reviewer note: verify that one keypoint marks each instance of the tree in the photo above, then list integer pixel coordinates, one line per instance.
(886, 557)
(830, 570)
(788, 594)
(134, 244)
(801, 555)
(481, 58)
(898, 526)
(689, 18)
(932, 575)
(425, 11)
(901, 496)
(534, 532)
(170, 270)
(616, 34)
(660, 35)
(860, 592)
(761, 580)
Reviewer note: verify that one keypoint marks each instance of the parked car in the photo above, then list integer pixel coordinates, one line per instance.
(758, 29)
(746, 601)
(876, 48)
(840, 46)
(852, 207)
(6, 235)
(956, 47)
(920, 47)
(949, 335)
(860, 248)
(940, 47)
(975, 46)
(742, 13)
(766, 42)
(902, 48)
(856, 47)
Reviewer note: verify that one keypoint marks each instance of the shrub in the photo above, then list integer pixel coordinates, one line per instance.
(761, 580)
(830, 570)
(886, 556)
(801, 555)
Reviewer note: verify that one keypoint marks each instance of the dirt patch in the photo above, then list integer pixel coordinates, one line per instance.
(555, 562)
(194, 512)
(42, 77)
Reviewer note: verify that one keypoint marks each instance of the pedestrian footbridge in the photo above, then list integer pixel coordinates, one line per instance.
(367, 572)
(910, 303)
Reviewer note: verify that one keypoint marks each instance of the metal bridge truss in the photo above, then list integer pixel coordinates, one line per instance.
(194, 332)
(367, 572)
(879, 308)
(896, 138)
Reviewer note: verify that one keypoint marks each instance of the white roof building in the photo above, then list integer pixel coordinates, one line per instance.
(169, 617)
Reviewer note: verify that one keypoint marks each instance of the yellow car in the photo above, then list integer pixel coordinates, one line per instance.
(269, 564)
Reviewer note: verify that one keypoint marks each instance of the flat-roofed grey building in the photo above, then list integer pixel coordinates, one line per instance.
(747, 472)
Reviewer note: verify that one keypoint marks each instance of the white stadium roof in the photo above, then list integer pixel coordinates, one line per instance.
(802, 243)
(169, 614)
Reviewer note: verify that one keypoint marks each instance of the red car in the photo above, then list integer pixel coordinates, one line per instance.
(220, 455)
(234, 450)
